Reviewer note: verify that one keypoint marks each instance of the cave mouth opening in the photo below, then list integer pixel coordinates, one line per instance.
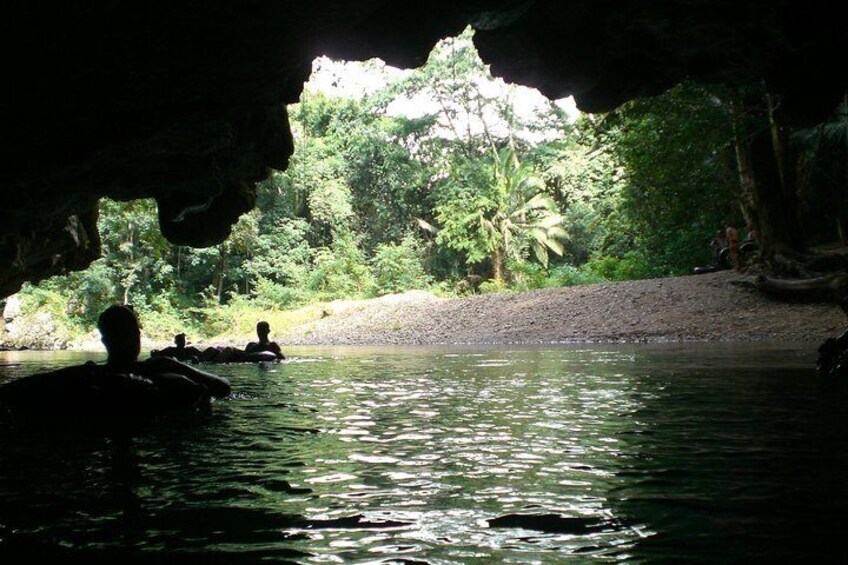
(198, 140)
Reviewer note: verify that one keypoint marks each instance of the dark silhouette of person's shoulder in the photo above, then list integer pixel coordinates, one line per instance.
(274, 347)
(271, 347)
(179, 353)
(167, 352)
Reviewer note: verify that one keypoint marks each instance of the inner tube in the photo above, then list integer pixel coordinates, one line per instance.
(748, 247)
(260, 356)
(185, 355)
(230, 355)
(93, 391)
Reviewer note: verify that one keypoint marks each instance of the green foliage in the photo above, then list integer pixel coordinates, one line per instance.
(355, 170)
(397, 267)
(822, 169)
(532, 276)
(568, 275)
(44, 320)
(38, 299)
(340, 271)
(493, 286)
(271, 295)
(525, 276)
(161, 321)
(502, 218)
(487, 191)
(586, 181)
(329, 203)
(633, 265)
(281, 254)
(87, 293)
(679, 178)
(134, 250)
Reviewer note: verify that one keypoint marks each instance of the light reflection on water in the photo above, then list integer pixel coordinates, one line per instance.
(709, 452)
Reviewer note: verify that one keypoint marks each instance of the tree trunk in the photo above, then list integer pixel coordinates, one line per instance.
(497, 265)
(779, 229)
(842, 192)
(842, 223)
(779, 144)
(769, 201)
(222, 260)
(789, 169)
(748, 200)
(830, 288)
(128, 281)
(767, 183)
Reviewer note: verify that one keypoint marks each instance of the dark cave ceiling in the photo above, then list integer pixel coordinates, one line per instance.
(184, 102)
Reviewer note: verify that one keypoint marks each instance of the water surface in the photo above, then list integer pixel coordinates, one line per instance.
(699, 453)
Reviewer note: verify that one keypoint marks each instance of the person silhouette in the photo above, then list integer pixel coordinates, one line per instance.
(718, 245)
(732, 235)
(178, 351)
(264, 344)
(122, 388)
(121, 335)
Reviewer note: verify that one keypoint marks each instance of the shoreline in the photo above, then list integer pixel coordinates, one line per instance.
(714, 307)
(708, 308)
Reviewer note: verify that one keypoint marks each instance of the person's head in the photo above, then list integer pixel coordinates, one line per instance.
(120, 334)
(180, 340)
(262, 330)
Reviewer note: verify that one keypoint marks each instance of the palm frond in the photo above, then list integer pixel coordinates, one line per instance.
(541, 253)
(554, 246)
(427, 226)
(557, 232)
(550, 221)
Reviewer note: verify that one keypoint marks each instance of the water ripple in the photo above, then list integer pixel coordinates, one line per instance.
(621, 454)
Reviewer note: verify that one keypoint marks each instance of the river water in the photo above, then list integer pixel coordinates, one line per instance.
(692, 453)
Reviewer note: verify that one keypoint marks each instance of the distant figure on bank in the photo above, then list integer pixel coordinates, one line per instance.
(751, 235)
(264, 344)
(718, 243)
(179, 351)
(732, 235)
(749, 246)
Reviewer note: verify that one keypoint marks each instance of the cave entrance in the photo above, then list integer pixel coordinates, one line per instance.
(448, 179)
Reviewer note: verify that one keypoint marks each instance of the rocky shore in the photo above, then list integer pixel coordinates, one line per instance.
(710, 307)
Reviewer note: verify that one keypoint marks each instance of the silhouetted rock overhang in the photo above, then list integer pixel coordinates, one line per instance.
(184, 101)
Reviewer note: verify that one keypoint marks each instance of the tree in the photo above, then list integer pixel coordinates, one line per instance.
(354, 170)
(134, 249)
(766, 173)
(677, 183)
(398, 266)
(822, 170)
(502, 218)
(585, 180)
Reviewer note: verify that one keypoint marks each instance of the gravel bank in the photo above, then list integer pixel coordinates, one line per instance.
(711, 307)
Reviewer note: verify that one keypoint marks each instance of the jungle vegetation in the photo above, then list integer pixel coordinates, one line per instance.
(473, 196)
